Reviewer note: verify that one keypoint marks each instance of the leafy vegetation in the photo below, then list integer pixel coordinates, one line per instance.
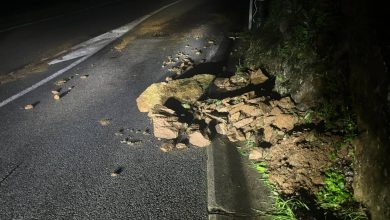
(335, 197)
(334, 193)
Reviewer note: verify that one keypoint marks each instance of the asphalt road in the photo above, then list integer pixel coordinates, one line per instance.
(56, 160)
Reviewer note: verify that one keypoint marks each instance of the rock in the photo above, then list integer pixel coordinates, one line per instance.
(196, 137)
(240, 79)
(243, 122)
(61, 82)
(57, 97)
(28, 107)
(184, 90)
(166, 147)
(168, 78)
(255, 155)
(285, 121)
(181, 146)
(221, 82)
(276, 111)
(84, 76)
(257, 77)
(56, 92)
(104, 121)
(268, 133)
(221, 128)
(234, 117)
(285, 103)
(235, 135)
(165, 122)
(249, 110)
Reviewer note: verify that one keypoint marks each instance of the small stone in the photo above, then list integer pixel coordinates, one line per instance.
(166, 147)
(84, 76)
(146, 132)
(56, 92)
(255, 155)
(104, 122)
(168, 78)
(117, 172)
(181, 146)
(198, 52)
(211, 42)
(28, 107)
(57, 97)
(61, 82)
(133, 142)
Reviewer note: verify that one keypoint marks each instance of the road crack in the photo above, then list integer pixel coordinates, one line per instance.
(10, 173)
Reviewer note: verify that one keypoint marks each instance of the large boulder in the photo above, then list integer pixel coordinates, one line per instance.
(186, 90)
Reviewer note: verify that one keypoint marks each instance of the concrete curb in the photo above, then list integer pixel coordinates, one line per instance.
(234, 190)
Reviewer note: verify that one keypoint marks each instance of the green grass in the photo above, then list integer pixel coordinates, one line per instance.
(250, 143)
(282, 209)
(334, 193)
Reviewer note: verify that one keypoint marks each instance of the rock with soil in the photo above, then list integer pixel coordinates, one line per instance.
(186, 90)
(296, 164)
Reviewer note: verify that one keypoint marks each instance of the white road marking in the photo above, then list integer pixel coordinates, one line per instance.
(86, 50)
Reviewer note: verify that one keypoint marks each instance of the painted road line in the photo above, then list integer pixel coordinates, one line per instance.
(86, 50)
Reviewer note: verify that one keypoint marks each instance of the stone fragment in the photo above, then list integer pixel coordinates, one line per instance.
(28, 107)
(104, 121)
(285, 103)
(243, 122)
(234, 117)
(285, 121)
(221, 82)
(276, 111)
(221, 128)
(56, 91)
(268, 133)
(181, 146)
(166, 147)
(257, 77)
(255, 155)
(196, 137)
(165, 122)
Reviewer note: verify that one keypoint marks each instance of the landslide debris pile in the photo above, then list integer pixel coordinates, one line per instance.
(274, 128)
